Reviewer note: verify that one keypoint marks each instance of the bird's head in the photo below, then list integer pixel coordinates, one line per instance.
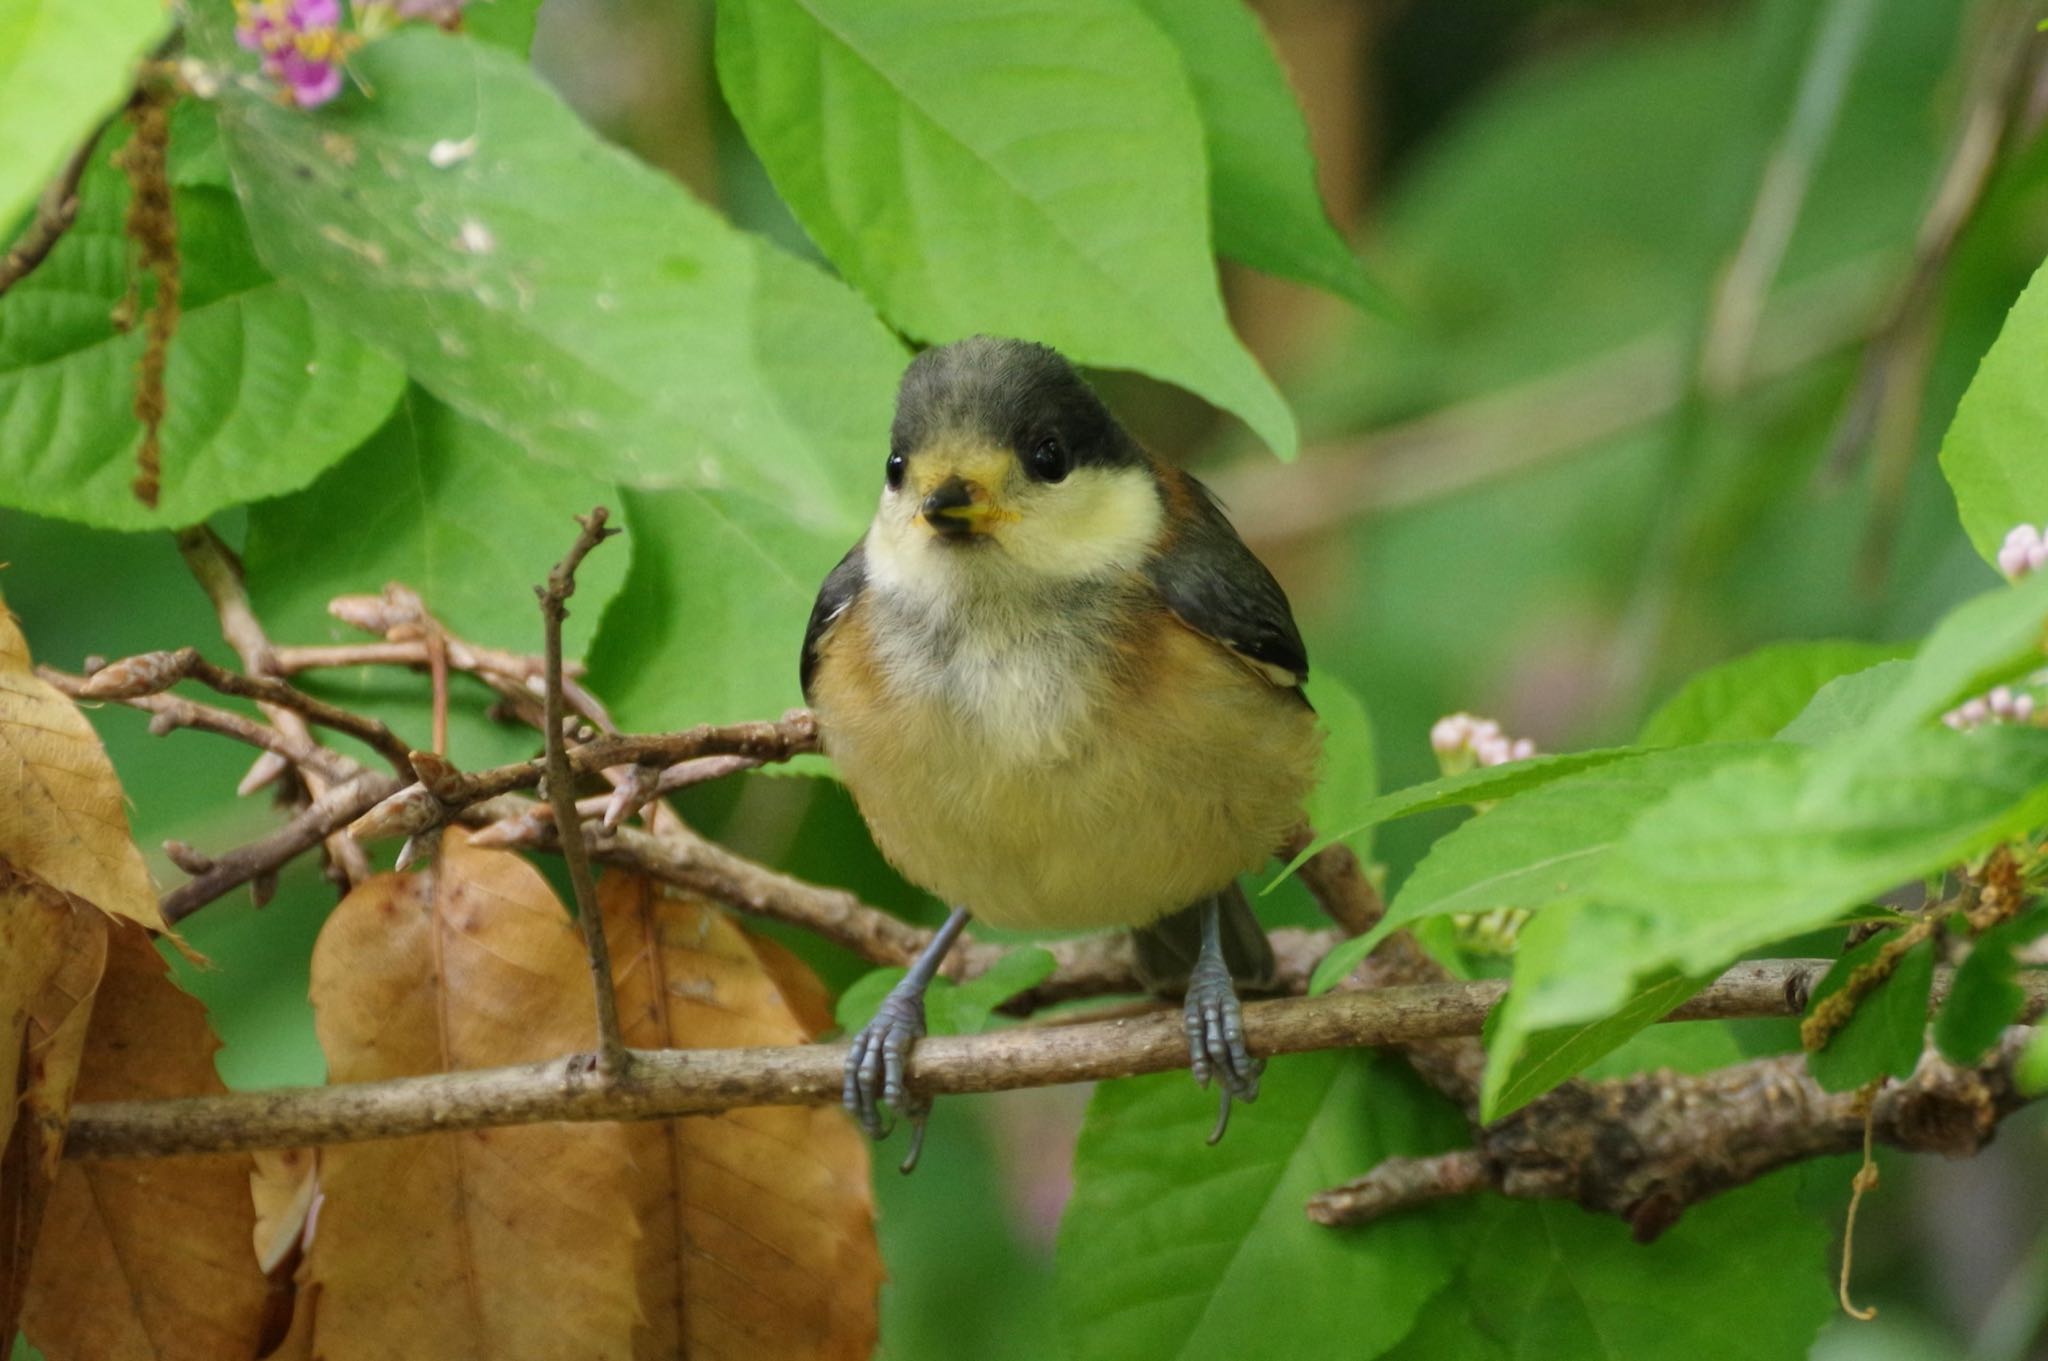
(1004, 464)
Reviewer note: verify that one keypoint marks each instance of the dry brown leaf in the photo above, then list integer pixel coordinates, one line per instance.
(147, 1259)
(282, 1187)
(51, 956)
(808, 997)
(493, 1245)
(759, 1224)
(61, 814)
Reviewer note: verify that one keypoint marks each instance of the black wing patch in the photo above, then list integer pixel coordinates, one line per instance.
(842, 587)
(1220, 589)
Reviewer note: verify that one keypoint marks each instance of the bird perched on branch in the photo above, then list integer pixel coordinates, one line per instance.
(1064, 695)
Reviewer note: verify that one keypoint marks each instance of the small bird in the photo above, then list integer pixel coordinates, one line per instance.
(1063, 693)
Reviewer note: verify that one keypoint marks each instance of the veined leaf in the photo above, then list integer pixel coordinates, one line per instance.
(1350, 774)
(431, 1246)
(1996, 450)
(1986, 996)
(1483, 785)
(62, 69)
(1263, 197)
(451, 509)
(1753, 696)
(63, 819)
(1846, 704)
(758, 1233)
(1031, 168)
(1982, 641)
(153, 1257)
(1171, 1248)
(261, 394)
(449, 221)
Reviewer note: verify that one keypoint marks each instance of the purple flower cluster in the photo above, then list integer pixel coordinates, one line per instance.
(301, 43)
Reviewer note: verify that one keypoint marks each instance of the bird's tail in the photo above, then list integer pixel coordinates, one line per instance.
(1167, 948)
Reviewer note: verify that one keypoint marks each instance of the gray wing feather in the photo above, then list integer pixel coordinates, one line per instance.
(843, 585)
(1219, 588)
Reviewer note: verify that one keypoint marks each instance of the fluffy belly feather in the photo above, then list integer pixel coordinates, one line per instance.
(1100, 792)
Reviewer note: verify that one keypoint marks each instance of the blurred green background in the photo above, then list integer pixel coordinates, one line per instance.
(1543, 491)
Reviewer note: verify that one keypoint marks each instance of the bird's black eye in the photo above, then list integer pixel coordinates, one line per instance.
(1048, 460)
(892, 471)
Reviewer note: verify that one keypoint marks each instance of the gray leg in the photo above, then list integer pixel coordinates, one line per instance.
(881, 1051)
(1215, 1025)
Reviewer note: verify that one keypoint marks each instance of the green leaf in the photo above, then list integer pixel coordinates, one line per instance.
(2031, 1072)
(452, 220)
(1984, 640)
(1026, 167)
(1996, 450)
(1846, 704)
(1986, 996)
(1453, 791)
(1883, 1037)
(1754, 696)
(451, 509)
(1545, 845)
(965, 1008)
(63, 67)
(710, 625)
(1523, 1063)
(1350, 772)
(1174, 1249)
(262, 393)
(1263, 198)
(1551, 1280)
(503, 23)
(1786, 842)
(950, 1008)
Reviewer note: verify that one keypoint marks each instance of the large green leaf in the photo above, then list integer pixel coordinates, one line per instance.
(1986, 996)
(262, 392)
(1984, 640)
(1846, 704)
(1783, 843)
(1172, 1248)
(1753, 696)
(449, 508)
(544, 283)
(1522, 1063)
(1025, 167)
(1455, 791)
(711, 623)
(1996, 451)
(63, 67)
(1263, 199)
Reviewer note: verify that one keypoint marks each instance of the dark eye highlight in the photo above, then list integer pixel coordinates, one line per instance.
(1048, 460)
(892, 471)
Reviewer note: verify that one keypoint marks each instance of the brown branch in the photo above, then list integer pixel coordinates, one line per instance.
(219, 573)
(664, 1083)
(612, 1059)
(317, 821)
(154, 672)
(1647, 1147)
(168, 713)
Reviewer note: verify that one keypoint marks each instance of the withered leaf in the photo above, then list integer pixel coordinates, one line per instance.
(61, 815)
(146, 1259)
(493, 1245)
(51, 956)
(759, 1224)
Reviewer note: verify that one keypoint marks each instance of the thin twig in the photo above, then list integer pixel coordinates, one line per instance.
(319, 820)
(612, 1058)
(170, 712)
(219, 573)
(663, 1083)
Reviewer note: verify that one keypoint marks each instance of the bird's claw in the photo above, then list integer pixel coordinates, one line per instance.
(1216, 1045)
(875, 1068)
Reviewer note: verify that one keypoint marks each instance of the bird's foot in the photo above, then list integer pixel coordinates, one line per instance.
(1216, 1047)
(875, 1066)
